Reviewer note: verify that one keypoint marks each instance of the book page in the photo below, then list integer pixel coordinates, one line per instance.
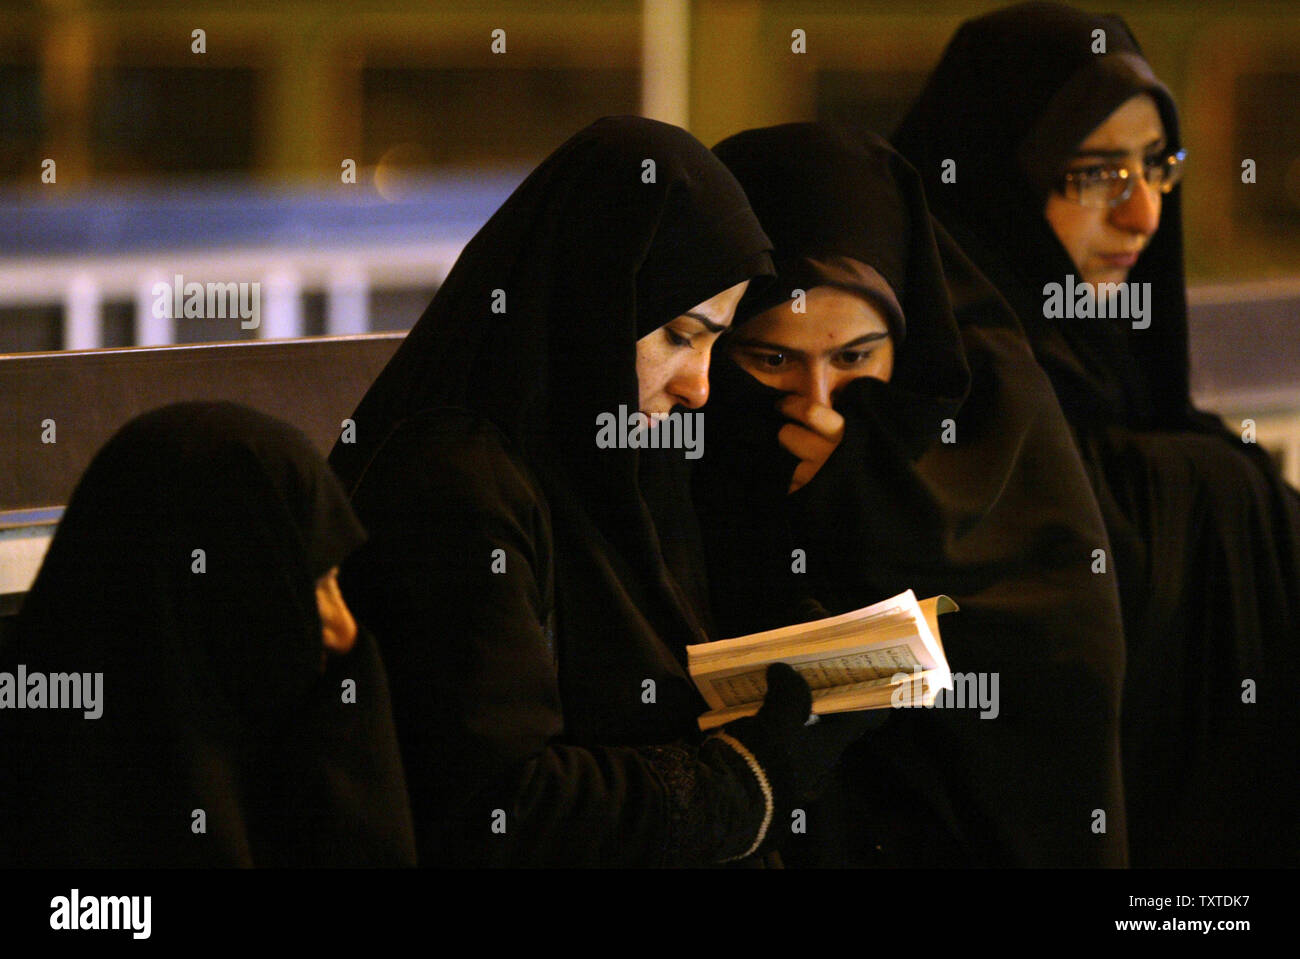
(751, 686)
(851, 661)
(874, 694)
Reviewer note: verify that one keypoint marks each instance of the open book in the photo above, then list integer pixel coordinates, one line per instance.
(858, 660)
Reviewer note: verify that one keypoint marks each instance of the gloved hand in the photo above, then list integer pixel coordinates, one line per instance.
(732, 796)
(773, 735)
(797, 756)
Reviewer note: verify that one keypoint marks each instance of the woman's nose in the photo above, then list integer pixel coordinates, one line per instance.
(338, 627)
(1140, 213)
(818, 385)
(340, 633)
(691, 384)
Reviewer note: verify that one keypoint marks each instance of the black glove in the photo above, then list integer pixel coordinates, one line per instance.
(774, 735)
(797, 756)
(731, 797)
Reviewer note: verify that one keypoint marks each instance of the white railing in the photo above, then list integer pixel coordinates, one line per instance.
(346, 277)
(1278, 432)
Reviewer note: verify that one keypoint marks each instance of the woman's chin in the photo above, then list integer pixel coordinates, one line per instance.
(1106, 275)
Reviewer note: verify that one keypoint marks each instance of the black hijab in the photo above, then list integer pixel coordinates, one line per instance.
(626, 226)
(999, 516)
(1014, 94)
(861, 224)
(213, 696)
(1206, 534)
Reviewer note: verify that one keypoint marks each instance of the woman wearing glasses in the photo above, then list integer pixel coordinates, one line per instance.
(1052, 152)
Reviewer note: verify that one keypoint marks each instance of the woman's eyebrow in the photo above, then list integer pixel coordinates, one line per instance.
(1101, 154)
(861, 341)
(743, 341)
(1155, 144)
(707, 323)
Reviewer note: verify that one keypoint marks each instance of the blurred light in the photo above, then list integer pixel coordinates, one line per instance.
(397, 173)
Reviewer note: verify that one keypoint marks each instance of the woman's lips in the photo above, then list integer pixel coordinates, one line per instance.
(652, 418)
(1119, 261)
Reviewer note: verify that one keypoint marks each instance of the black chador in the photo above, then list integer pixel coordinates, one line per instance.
(533, 589)
(956, 476)
(184, 572)
(1205, 534)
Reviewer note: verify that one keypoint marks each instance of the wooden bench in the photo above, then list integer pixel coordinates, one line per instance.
(81, 398)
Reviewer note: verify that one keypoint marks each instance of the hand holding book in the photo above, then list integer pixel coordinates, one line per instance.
(789, 757)
(854, 661)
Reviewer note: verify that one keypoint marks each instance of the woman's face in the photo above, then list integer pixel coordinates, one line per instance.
(840, 338)
(1105, 243)
(338, 628)
(672, 363)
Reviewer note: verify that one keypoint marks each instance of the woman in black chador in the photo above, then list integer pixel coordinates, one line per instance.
(243, 719)
(879, 425)
(533, 589)
(1062, 158)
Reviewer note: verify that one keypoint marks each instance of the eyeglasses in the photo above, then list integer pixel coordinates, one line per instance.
(1107, 185)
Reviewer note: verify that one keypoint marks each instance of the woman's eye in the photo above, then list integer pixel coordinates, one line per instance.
(850, 358)
(761, 360)
(1153, 165)
(1089, 175)
(677, 339)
